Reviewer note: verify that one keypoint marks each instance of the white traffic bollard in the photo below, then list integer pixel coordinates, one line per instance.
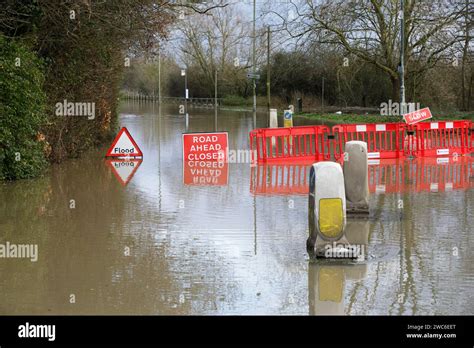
(326, 207)
(356, 179)
(273, 122)
(273, 118)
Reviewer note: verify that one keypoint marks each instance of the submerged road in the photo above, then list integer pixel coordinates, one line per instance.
(159, 238)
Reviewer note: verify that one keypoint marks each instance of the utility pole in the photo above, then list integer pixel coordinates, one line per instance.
(402, 56)
(184, 73)
(215, 101)
(322, 97)
(268, 75)
(215, 88)
(159, 75)
(253, 68)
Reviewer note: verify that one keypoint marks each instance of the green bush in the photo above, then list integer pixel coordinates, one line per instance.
(22, 103)
(235, 100)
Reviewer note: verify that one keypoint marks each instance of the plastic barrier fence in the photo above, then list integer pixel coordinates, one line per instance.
(442, 138)
(383, 140)
(388, 140)
(291, 144)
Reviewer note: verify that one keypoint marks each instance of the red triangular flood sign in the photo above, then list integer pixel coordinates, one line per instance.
(124, 169)
(124, 146)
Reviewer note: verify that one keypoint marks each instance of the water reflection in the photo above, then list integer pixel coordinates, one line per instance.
(385, 176)
(124, 169)
(422, 174)
(327, 278)
(210, 173)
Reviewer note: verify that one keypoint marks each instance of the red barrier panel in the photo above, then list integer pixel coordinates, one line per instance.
(291, 143)
(471, 131)
(442, 138)
(383, 140)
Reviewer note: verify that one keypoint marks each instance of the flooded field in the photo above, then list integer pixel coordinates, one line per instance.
(149, 240)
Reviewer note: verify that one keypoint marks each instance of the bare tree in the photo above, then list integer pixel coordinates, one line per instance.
(467, 59)
(218, 41)
(369, 30)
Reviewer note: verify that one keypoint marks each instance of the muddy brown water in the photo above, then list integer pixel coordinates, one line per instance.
(158, 246)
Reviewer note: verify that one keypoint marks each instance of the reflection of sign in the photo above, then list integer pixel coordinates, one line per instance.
(287, 118)
(417, 116)
(124, 169)
(124, 146)
(214, 173)
(205, 146)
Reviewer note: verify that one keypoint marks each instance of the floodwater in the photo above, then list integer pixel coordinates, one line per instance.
(233, 244)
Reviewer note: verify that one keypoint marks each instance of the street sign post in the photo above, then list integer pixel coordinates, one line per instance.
(287, 118)
(253, 76)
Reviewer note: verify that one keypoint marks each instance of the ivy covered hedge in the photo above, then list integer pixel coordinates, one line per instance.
(53, 51)
(22, 112)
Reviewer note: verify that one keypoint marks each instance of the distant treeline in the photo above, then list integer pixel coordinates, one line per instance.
(348, 81)
(353, 48)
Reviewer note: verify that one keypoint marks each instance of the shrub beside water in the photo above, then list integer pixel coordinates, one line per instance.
(235, 100)
(22, 105)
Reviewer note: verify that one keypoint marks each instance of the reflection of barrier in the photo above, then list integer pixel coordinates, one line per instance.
(422, 174)
(383, 140)
(280, 179)
(389, 140)
(442, 174)
(290, 144)
(385, 176)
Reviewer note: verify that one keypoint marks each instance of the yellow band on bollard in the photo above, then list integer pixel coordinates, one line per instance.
(331, 217)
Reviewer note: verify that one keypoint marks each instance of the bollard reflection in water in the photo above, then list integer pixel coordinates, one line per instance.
(327, 280)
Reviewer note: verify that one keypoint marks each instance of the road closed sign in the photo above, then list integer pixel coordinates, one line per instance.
(205, 159)
(417, 116)
(205, 146)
